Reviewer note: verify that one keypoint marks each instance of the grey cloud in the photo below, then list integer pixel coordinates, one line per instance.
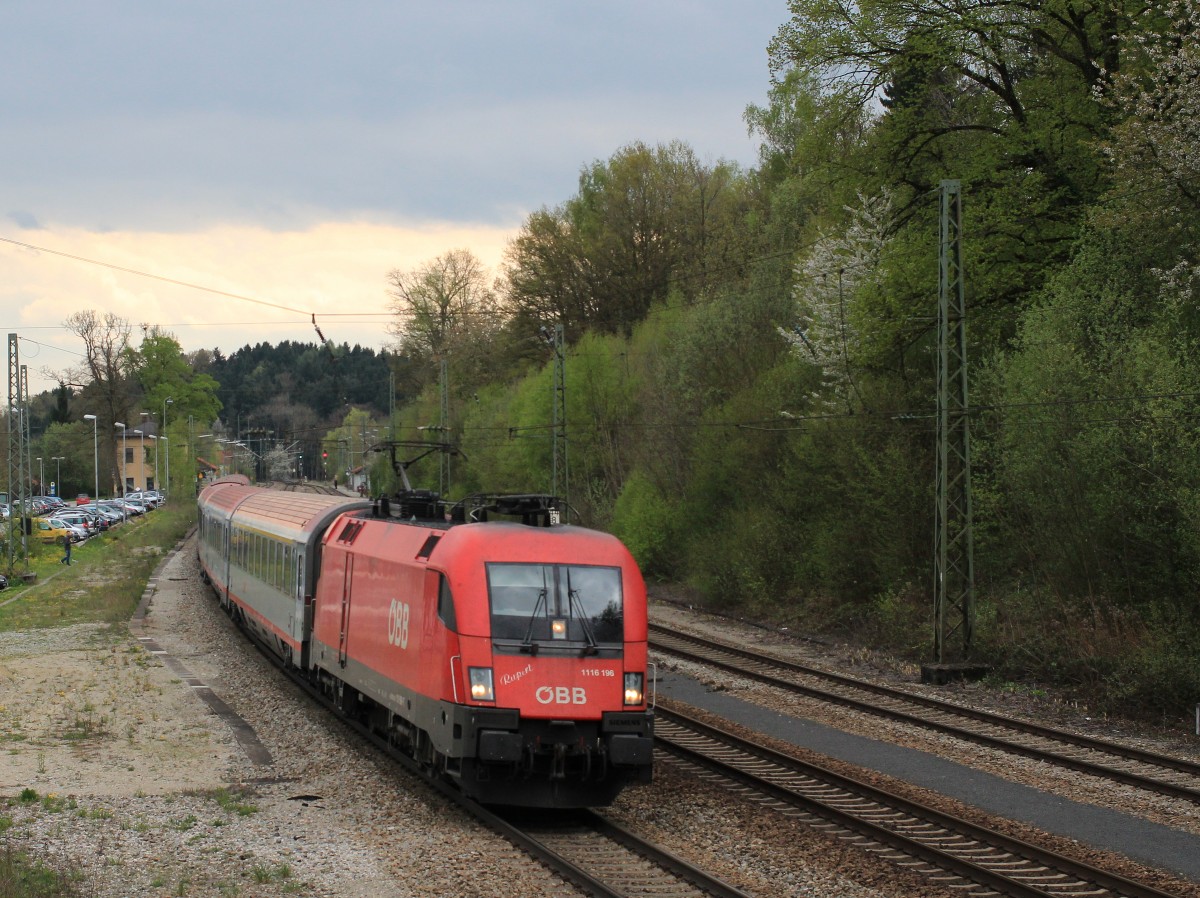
(172, 116)
(25, 220)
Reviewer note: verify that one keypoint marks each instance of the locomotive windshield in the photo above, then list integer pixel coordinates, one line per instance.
(540, 603)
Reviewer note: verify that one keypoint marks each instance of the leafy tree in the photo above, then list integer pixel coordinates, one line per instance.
(831, 278)
(164, 373)
(444, 308)
(645, 223)
(293, 373)
(108, 375)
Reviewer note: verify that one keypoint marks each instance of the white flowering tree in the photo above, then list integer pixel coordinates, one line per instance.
(829, 280)
(1160, 93)
(1156, 150)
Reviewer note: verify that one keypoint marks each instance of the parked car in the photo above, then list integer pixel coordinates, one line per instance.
(50, 531)
(34, 505)
(101, 511)
(79, 518)
(126, 509)
(83, 499)
(78, 531)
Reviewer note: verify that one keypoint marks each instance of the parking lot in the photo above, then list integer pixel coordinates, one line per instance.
(51, 521)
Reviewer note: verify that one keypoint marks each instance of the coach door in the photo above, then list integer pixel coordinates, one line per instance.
(226, 538)
(343, 633)
(294, 581)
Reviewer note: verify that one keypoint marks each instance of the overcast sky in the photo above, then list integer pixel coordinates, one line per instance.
(296, 152)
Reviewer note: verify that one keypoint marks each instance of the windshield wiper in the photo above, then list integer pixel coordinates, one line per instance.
(576, 605)
(527, 644)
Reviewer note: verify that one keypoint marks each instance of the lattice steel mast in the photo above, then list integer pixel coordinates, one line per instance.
(444, 428)
(18, 548)
(954, 586)
(559, 464)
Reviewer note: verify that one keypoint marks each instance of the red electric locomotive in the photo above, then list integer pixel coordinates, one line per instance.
(506, 655)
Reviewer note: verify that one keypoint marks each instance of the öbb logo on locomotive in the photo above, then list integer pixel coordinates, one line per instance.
(561, 695)
(398, 614)
(497, 647)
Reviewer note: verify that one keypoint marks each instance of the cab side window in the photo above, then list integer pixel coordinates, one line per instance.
(446, 604)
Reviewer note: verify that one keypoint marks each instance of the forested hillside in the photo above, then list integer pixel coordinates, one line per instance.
(290, 388)
(749, 373)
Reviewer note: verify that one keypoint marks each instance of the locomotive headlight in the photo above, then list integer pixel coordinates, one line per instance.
(635, 692)
(481, 684)
(558, 628)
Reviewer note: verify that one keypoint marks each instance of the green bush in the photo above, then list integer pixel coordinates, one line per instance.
(646, 522)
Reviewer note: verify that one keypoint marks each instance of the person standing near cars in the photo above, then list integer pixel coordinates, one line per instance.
(66, 540)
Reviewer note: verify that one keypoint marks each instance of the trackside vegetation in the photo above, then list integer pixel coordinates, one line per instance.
(106, 578)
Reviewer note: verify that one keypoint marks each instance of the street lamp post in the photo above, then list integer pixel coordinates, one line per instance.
(124, 508)
(95, 457)
(145, 421)
(167, 459)
(157, 482)
(41, 476)
(141, 460)
(58, 475)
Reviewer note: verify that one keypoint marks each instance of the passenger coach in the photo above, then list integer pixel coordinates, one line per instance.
(259, 549)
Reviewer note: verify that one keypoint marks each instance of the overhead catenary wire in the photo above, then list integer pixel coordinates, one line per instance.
(178, 283)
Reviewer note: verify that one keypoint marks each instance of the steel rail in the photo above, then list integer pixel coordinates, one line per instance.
(936, 834)
(758, 667)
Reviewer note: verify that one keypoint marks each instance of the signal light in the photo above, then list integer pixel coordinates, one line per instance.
(324, 454)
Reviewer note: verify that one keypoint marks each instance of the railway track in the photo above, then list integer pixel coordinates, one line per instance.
(1161, 774)
(603, 859)
(589, 852)
(951, 851)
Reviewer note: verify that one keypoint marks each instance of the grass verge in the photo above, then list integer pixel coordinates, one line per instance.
(105, 580)
(24, 877)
